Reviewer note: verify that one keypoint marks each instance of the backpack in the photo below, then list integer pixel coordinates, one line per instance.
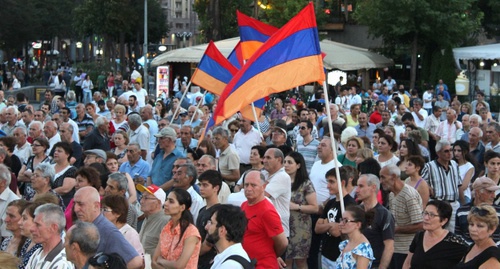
(246, 264)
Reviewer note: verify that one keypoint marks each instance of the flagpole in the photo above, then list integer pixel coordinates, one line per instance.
(180, 101)
(198, 106)
(334, 147)
(255, 116)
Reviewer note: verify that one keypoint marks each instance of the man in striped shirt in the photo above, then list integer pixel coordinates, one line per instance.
(444, 179)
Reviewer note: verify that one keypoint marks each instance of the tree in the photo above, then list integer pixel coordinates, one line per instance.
(491, 22)
(218, 17)
(413, 24)
(280, 12)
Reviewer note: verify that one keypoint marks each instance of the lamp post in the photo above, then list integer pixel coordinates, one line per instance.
(145, 47)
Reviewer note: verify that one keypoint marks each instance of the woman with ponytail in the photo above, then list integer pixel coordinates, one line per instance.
(180, 241)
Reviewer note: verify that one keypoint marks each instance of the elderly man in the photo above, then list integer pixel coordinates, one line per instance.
(51, 133)
(419, 113)
(40, 116)
(85, 122)
(117, 184)
(152, 126)
(152, 200)
(66, 132)
(162, 169)
(81, 243)
(135, 166)
(244, 140)
(229, 161)
(88, 208)
(65, 114)
(381, 232)
(22, 149)
(447, 129)
(493, 135)
(264, 238)
(99, 137)
(365, 128)
(11, 117)
(225, 230)
(484, 193)
(95, 156)
(279, 111)
(207, 162)
(6, 196)
(444, 179)
(139, 134)
(186, 141)
(474, 121)
(277, 178)
(185, 176)
(49, 223)
(406, 207)
(193, 114)
(465, 126)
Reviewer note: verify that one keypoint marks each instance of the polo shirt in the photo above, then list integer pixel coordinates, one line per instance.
(140, 136)
(141, 167)
(161, 170)
(228, 160)
(112, 241)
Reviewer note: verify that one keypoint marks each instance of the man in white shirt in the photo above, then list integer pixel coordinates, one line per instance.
(23, 147)
(419, 114)
(140, 93)
(428, 100)
(227, 220)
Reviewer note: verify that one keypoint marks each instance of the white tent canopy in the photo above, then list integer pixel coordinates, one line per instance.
(338, 55)
(487, 52)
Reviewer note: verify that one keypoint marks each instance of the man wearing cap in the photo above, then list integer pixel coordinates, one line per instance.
(153, 198)
(161, 169)
(229, 161)
(279, 135)
(484, 193)
(94, 156)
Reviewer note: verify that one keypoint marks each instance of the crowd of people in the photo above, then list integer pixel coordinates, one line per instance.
(102, 176)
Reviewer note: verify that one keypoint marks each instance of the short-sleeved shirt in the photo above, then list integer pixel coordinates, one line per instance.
(112, 241)
(243, 143)
(406, 207)
(228, 160)
(150, 231)
(140, 136)
(141, 167)
(56, 258)
(171, 244)
(309, 152)
(281, 196)
(382, 228)
(263, 224)
(444, 183)
(161, 170)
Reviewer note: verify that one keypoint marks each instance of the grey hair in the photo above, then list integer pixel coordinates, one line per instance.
(70, 127)
(47, 171)
(135, 145)
(211, 158)
(135, 120)
(39, 123)
(480, 131)
(495, 125)
(221, 131)
(477, 117)
(97, 94)
(466, 115)
(25, 131)
(393, 170)
(418, 101)
(5, 174)
(279, 154)
(16, 112)
(191, 171)
(86, 235)
(261, 176)
(441, 143)
(121, 179)
(51, 214)
(71, 96)
(372, 180)
(100, 121)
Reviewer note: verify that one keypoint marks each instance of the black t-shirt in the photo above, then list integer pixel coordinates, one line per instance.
(331, 212)
(204, 215)
(382, 227)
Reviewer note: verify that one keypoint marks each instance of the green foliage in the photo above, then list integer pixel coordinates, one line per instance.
(447, 72)
(282, 11)
(491, 22)
(218, 17)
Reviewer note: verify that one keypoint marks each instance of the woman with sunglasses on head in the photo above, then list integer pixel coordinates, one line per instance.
(435, 247)
(483, 253)
(355, 252)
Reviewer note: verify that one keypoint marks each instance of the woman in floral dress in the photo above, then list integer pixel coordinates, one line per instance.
(302, 204)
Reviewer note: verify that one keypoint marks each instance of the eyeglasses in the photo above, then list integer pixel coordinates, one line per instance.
(479, 211)
(302, 128)
(100, 259)
(429, 214)
(344, 220)
(148, 198)
(104, 209)
(234, 130)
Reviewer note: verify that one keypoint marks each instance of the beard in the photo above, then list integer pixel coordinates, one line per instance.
(213, 237)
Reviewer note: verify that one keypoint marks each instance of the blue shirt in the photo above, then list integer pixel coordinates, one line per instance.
(141, 167)
(112, 240)
(180, 147)
(161, 171)
(368, 132)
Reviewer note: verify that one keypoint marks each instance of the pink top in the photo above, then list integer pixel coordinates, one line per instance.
(171, 248)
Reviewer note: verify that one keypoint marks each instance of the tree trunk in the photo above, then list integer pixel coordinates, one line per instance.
(413, 69)
(122, 53)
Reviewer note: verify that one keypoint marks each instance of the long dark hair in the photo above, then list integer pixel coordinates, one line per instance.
(301, 175)
(464, 146)
(20, 205)
(184, 198)
(413, 149)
